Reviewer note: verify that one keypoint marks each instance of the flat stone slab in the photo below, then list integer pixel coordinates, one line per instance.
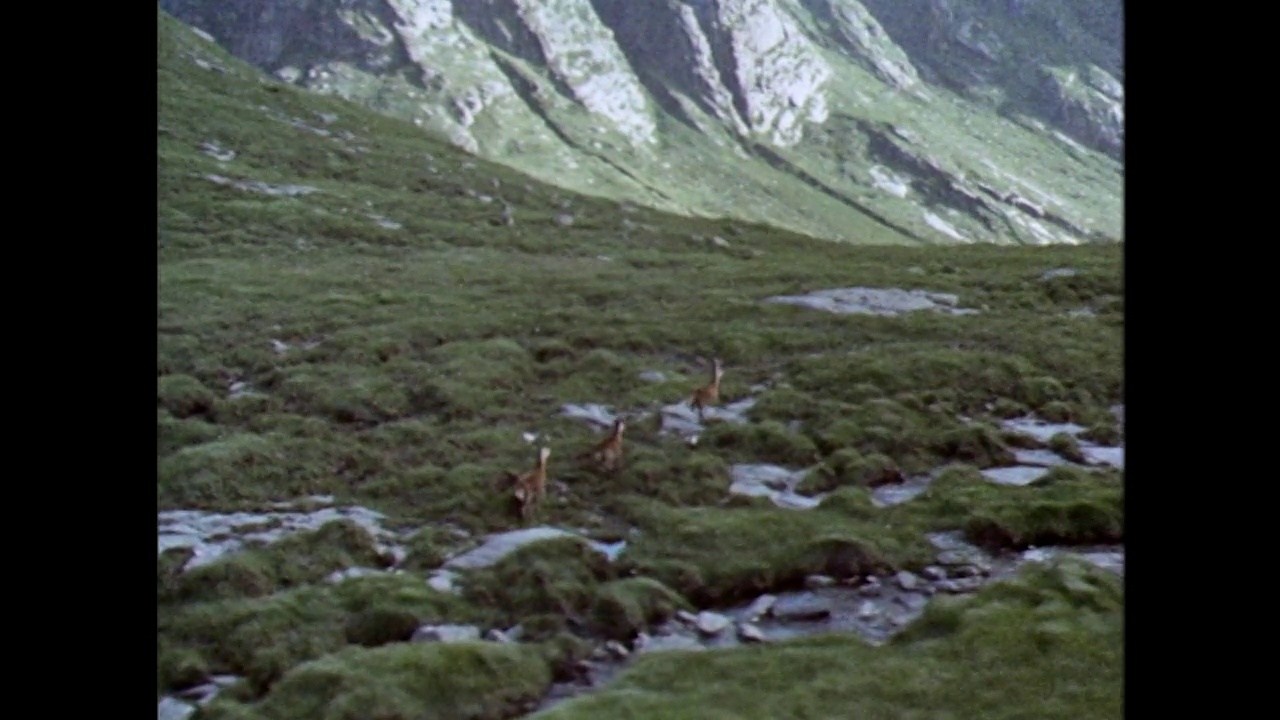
(874, 301)
(498, 546)
(774, 482)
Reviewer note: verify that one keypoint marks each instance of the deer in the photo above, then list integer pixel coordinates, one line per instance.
(708, 394)
(531, 487)
(608, 452)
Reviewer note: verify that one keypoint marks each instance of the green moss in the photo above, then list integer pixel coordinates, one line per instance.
(625, 607)
(475, 681)
(184, 396)
(849, 467)
(553, 577)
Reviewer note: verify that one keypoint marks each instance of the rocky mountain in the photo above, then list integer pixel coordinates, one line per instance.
(947, 120)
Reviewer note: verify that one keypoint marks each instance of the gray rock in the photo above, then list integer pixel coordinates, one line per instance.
(802, 607)
(960, 585)
(174, 709)
(1016, 475)
(748, 632)
(663, 643)
(617, 649)
(868, 610)
(760, 607)
(500, 545)
(907, 581)
(446, 633)
(710, 623)
(1058, 272)
(874, 301)
(813, 582)
(933, 572)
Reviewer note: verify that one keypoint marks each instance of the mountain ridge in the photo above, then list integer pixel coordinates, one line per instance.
(947, 120)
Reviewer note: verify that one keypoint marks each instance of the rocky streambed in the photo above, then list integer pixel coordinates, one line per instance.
(872, 607)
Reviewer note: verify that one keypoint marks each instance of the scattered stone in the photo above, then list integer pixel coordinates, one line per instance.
(217, 152)
(446, 633)
(498, 636)
(710, 623)
(653, 376)
(960, 585)
(327, 118)
(933, 572)
(760, 607)
(1057, 273)
(803, 607)
(564, 220)
(261, 187)
(350, 573)
(907, 581)
(874, 301)
(617, 649)
(719, 242)
(813, 582)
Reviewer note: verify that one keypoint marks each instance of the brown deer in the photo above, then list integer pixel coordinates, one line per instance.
(708, 394)
(531, 487)
(608, 452)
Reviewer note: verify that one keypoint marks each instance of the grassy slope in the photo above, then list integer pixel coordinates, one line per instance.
(419, 355)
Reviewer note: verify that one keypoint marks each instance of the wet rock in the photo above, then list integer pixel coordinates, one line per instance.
(907, 581)
(617, 649)
(174, 709)
(1039, 457)
(802, 607)
(771, 481)
(1102, 455)
(912, 601)
(710, 623)
(933, 572)
(748, 632)
(498, 546)
(443, 581)
(871, 587)
(662, 643)
(496, 635)
(1015, 475)
(760, 607)
(813, 582)
(446, 633)
(1039, 429)
(960, 585)
(868, 610)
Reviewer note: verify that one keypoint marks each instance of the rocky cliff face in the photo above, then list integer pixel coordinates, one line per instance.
(950, 120)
